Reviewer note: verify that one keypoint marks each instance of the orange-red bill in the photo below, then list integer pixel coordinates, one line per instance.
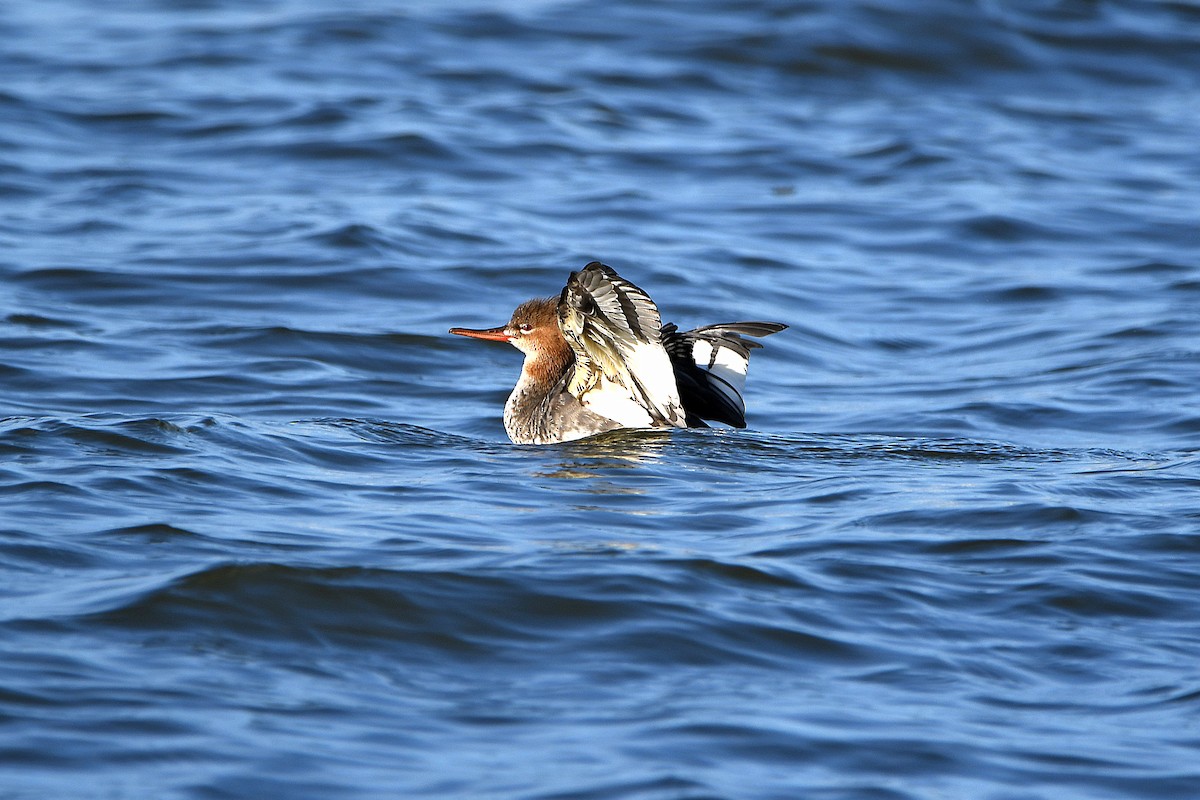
(491, 334)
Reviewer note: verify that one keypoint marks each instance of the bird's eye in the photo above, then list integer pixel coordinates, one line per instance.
(525, 327)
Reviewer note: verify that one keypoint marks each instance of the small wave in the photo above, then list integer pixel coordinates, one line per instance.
(353, 236)
(928, 449)
(153, 531)
(1003, 228)
(397, 148)
(478, 614)
(386, 432)
(99, 432)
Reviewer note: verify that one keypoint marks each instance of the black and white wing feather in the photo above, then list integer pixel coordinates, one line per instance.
(621, 368)
(710, 366)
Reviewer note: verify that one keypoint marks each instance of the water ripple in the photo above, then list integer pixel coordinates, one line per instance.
(263, 534)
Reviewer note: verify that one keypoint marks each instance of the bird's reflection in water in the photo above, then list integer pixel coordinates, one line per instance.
(595, 456)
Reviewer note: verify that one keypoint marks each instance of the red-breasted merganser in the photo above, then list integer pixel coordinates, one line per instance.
(598, 357)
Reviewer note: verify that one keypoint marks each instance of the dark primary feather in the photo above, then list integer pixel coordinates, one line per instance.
(621, 311)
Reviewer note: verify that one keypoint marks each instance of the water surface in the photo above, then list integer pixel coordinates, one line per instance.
(262, 534)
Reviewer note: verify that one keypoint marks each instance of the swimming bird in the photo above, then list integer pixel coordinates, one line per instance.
(598, 358)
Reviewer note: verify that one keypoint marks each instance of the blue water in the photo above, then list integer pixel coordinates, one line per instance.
(261, 532)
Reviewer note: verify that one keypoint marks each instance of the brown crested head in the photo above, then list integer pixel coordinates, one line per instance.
(535, 332)
(534, 316)
(530, 317)
(532, 328)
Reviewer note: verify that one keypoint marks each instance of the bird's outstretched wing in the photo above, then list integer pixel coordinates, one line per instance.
(710, 364)
(614, 330)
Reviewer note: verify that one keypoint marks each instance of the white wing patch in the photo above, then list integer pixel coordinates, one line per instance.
(710, 365)
(650, 369)
(728, 366)
(636, 389)
(615, 402)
